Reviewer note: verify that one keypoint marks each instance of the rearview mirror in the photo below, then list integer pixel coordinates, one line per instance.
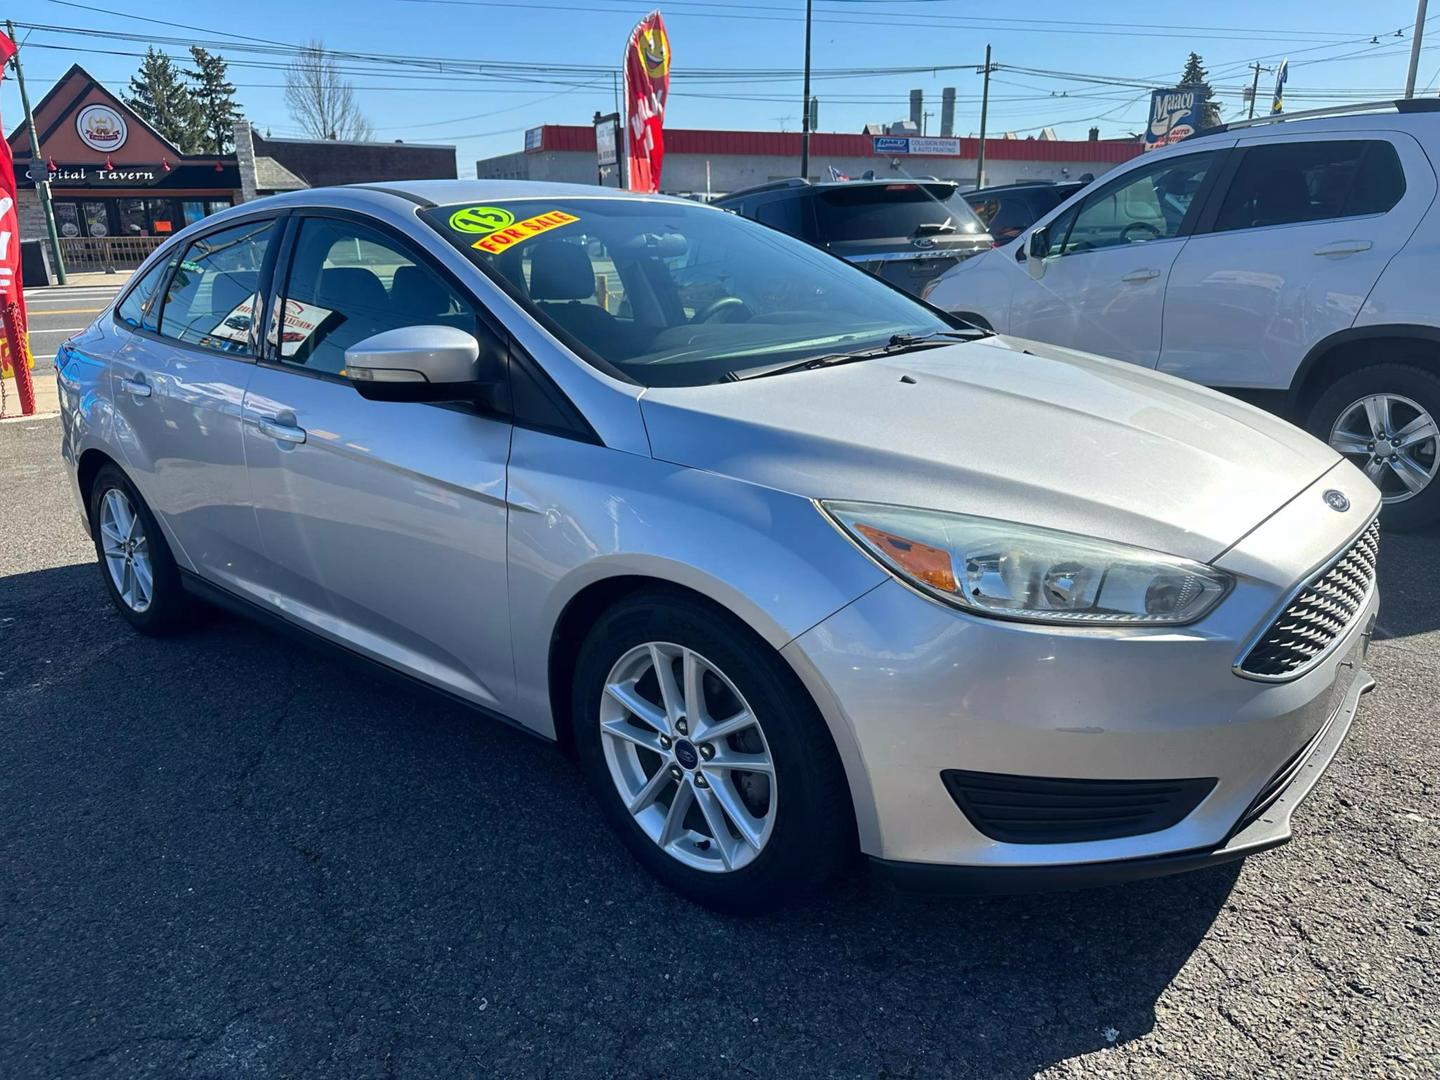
(1039, 247)
(421, 363)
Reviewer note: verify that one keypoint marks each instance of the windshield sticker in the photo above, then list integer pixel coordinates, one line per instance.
(501, 239)
(481, 219)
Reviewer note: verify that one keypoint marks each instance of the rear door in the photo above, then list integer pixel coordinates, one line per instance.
(177, 387)
(1102, 288)
(383, 523)
(1288, 254)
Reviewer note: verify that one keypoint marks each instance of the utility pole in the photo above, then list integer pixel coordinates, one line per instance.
(1254, 89)
(1415, 48)
(42, 187)
(805, 101)
(984, 111)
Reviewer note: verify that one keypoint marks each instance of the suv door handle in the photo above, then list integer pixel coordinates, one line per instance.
(1344, 247)
(269, 425)
(1141, 275)
(136, 387)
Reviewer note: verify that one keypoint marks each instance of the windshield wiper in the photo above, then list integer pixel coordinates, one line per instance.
(898, 343)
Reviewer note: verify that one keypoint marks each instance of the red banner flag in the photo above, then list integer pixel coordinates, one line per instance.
(15, 339)
(647, 85)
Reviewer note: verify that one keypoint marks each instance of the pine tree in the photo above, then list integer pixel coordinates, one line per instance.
(1196, 75)
(216, 97)
(160, 97)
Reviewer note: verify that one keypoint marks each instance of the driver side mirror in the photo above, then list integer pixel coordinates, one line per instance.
(1039, 247)
(424, 363)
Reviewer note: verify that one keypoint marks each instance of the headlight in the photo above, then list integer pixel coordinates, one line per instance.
(992, 567)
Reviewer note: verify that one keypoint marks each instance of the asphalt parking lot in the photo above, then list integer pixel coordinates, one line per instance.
(226, 855)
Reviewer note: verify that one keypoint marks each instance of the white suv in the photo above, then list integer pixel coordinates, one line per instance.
(1285, 260)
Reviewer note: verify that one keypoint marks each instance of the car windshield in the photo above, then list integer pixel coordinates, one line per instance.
(889, 211)
(676, 294)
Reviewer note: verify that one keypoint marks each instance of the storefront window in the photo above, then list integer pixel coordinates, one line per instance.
(132, 217)
(67, 218)
(192, 210)
(163, 216)
(214, 206)
(97, 222)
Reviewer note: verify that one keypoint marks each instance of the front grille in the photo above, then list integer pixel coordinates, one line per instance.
(1049, 810)
(1318, 615)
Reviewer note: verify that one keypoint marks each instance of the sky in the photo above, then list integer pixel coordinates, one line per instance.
(737, 64)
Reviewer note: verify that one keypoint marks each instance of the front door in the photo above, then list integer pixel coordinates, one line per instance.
(1296, 243)
(1102, 289)
(383, 523)
(177, 386)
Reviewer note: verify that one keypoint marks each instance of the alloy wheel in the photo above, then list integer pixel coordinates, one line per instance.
(127, 551)
(1394, 440)
(688, 757)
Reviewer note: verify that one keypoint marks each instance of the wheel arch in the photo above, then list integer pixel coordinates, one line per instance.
(1357, 347)
(87, 468)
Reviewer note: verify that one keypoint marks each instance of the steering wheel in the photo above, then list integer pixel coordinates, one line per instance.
(1139, 226)
(731, 304)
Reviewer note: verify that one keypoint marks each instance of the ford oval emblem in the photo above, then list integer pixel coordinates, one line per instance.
(1337, 501)
(924, 242)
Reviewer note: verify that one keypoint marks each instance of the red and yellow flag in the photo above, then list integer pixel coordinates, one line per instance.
(647, 85)
(12, 292)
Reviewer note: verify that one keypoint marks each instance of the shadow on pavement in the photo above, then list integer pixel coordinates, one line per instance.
(225, 854)
(1409, 584)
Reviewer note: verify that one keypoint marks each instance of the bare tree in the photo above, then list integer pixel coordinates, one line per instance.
(320, 100)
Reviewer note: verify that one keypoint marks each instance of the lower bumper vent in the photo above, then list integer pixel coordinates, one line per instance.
(1047, 810)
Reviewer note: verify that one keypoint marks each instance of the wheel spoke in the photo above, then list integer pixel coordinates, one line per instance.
(140, 574)
(626, 694)
(1416, 431)
(1411, 475)
(715, 820)
(623, 729)
(675, 818)
(721, 728)
(728, 759)
(1377, 413)
(669, 692)
(127, 584)
(729, 799)
(1375, 470)
(1347, 442)
(693, 676)
(651, 791)
(111, 535)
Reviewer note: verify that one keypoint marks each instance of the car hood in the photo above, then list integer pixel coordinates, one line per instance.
(1008, 429)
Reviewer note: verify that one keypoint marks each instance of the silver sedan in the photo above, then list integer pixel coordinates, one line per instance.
(794, 565)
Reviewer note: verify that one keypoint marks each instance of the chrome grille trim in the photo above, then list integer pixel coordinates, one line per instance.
(1316, 616)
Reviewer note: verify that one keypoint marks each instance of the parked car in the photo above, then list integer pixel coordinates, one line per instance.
(1007, 210)
(1287, 261)
(908, 232)
(789, 570)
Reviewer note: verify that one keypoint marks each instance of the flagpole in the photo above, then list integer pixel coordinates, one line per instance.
(805, 103)
(1415, 49)
(42, 187)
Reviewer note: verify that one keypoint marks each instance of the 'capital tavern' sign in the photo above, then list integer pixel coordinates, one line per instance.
(90, 176)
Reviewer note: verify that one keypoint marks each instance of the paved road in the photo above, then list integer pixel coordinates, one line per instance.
(57, 312)
(225, 856)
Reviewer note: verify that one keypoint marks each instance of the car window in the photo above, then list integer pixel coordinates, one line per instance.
(348, 282)
(702, 295)
(787, 215)
(1011, 217)
(1058, 231)
(1148, 204)
(141, 307)
(212, 296)
(903, 210)
(1285, 183)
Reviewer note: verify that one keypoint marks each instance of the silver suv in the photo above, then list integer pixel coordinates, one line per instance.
(1285, 260)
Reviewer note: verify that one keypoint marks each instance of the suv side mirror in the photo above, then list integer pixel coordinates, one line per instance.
(1039, 247)
(422, 363)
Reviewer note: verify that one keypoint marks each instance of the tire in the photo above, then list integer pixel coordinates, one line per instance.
(1412, 390)
(809, 832)
(166, 608)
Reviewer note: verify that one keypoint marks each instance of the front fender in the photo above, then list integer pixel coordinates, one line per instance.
(581, 513)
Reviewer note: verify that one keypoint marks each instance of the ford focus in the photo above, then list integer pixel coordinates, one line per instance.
(795, 566)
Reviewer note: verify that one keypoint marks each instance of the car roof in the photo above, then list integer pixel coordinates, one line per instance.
(798, 184)
(444, 192)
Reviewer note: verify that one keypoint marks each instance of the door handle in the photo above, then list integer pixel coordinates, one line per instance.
(1344, 247)
(135, 387)
(268, 425)
(1141, 275)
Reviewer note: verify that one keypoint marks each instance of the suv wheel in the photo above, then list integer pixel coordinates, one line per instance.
(707, 757)
(1384, 419)
(139, 571)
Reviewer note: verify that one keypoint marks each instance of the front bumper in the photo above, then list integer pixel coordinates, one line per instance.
(1269, 828)
(912, 688)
